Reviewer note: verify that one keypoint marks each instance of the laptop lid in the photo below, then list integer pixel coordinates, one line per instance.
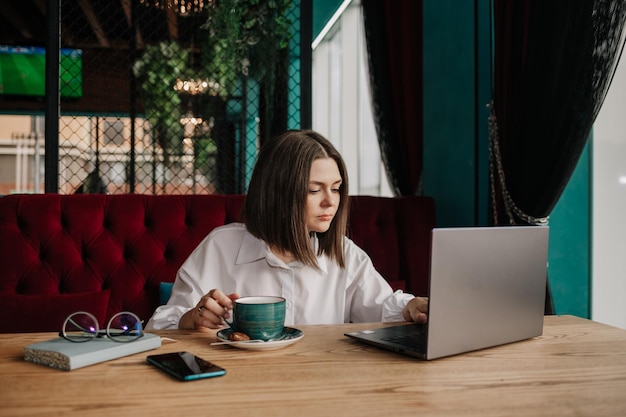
(487, 288)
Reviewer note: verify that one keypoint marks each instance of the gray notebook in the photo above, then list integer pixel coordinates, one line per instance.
(487, 287)
(65, 355)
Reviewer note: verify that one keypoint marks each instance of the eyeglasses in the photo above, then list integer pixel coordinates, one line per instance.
(83, 327)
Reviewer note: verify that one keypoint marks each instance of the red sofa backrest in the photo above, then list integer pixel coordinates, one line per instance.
(395, 233)
(109, 253)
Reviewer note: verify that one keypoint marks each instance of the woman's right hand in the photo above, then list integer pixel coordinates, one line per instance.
(211, 311)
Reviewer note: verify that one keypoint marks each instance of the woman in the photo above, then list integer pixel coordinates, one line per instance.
(291, 244)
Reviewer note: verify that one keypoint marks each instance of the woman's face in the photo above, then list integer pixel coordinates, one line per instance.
(323, 196)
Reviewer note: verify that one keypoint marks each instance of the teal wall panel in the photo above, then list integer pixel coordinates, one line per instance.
(450, 110)
(483, 98)
(570, 236)
(323, 11)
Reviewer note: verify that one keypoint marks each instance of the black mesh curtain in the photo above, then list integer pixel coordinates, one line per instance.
(393, 33)
(554, 62)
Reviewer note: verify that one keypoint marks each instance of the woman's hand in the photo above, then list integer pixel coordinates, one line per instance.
(211, 311)
(416, 310)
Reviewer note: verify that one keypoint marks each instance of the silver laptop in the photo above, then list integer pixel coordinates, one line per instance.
(487, 287)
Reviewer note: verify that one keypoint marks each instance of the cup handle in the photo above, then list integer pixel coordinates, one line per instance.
(229, 321)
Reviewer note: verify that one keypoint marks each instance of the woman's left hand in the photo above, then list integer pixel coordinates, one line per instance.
(416, 310)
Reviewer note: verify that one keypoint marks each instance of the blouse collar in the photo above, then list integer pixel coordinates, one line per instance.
(253, 249)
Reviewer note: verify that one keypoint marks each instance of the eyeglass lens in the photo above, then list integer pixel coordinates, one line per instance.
(124, 327)
(80, 327)
(83, 326)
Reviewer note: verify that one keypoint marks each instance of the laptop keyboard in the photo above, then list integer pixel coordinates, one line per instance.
(417, 339)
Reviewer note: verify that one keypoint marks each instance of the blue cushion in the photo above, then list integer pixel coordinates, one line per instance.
(165, 290)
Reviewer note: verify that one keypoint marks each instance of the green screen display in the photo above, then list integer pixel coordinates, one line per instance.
(23, 71)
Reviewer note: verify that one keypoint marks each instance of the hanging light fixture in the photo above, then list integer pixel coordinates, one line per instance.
(181, 7)
(197, 86)
(190, 119)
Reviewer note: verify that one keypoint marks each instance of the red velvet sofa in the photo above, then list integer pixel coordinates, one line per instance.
(108, 253)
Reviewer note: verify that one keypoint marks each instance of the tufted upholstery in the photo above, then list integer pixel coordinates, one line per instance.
(108, 253)
(395, 233)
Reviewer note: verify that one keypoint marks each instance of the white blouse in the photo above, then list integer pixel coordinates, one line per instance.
(234, 261)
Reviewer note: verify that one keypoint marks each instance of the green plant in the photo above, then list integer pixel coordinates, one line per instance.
(244, 37)
(205, 151)
(157, 70)
(238, 29)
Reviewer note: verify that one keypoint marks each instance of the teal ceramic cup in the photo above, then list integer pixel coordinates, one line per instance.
(260, 317)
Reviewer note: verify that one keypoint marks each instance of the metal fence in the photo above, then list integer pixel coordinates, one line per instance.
(174, 96)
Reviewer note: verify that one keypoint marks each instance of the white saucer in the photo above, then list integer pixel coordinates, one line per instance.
(290, 335)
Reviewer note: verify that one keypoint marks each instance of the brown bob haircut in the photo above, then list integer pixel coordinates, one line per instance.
(274, 210)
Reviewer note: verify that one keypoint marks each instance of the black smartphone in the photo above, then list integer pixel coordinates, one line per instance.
(185, 366)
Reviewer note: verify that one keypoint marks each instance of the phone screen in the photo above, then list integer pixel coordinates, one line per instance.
(185, 366)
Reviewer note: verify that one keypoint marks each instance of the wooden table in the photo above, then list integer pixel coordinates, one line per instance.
(577, 368)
